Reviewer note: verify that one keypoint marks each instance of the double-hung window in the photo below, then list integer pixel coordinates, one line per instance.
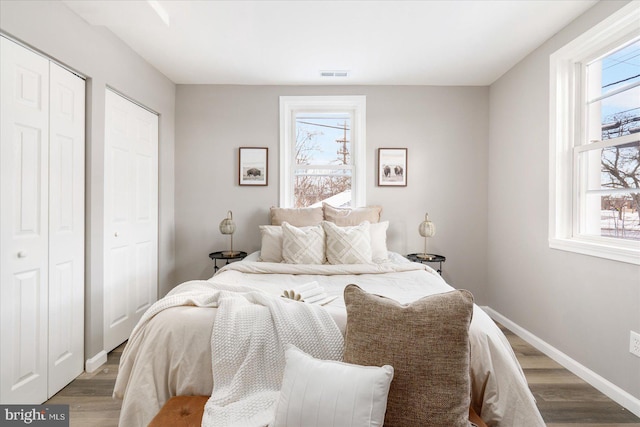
(595, 141)
(322, 151)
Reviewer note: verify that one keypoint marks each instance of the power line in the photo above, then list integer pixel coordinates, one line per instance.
(326, 126)
(622, 60)
(620, 81)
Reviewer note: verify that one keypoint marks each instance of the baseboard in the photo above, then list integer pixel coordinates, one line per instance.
(91, 365)
(605, 386)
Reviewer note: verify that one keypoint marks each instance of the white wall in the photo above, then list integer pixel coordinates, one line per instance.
(54, 29)
(444, 128)
(584, 306)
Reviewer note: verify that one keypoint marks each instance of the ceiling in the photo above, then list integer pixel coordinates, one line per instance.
(454, 42)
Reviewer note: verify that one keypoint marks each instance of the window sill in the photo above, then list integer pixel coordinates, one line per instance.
(630, 255)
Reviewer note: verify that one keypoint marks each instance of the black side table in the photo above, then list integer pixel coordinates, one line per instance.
(433, 258)
(224, 255)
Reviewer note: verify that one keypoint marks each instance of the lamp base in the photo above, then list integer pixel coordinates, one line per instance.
(230, 253)
(427, 257)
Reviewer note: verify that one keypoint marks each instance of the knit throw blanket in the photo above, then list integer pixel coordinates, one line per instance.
(247, 346)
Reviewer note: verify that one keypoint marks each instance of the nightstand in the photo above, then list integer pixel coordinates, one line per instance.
(433, 258)
(225, 256)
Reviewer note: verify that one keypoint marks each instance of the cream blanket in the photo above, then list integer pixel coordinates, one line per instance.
(247, 348)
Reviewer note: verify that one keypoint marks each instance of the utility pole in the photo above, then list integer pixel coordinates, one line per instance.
(343, 150)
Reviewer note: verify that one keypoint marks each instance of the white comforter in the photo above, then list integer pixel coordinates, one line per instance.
(171, 354)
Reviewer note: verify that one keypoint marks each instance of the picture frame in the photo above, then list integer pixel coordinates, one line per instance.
(392, 167)
(253, 166)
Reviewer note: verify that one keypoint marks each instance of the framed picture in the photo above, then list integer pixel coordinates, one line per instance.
(392, 167)
(253, 166)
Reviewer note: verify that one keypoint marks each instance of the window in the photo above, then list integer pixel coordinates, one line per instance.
(595, 141)
(322, 151)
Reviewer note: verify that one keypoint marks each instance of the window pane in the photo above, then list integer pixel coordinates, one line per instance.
(610, 184)
(611, 168)
(617, 69)
(323, 138)
(330, 186)
(620, 113)
(617, 215)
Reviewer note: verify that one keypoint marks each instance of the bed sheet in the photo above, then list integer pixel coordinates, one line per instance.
(172, 354)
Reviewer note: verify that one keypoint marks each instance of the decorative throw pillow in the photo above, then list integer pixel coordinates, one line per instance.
(298, 217)
(378, 232)
(271, 247)
(348, 245)
(426, 342)
(302, 245)
(319, 393)
(351, 216)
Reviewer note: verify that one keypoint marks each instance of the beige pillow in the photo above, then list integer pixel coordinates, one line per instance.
(271, 247)
(348, 245)
(351, 216)
(303, 245)
(426, 342)
(298, 217)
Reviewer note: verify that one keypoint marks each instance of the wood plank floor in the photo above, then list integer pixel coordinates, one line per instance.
(563, 398)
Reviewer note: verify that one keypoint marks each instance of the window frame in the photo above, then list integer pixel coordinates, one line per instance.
(290, 105)
(568, 136)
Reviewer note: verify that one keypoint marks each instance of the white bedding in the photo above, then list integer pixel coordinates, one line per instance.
(172, 356)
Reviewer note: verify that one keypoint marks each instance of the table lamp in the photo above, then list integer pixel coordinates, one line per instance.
(426, 229)
(227, 226)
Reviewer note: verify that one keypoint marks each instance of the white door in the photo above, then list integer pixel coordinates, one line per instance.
(24, 119)
(66, 228)
(131, 216)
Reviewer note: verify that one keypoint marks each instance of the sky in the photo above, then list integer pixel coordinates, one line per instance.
(619, 69)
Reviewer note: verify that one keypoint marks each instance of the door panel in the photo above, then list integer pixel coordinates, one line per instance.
(66, 228)
(131, 216)
(24, 118)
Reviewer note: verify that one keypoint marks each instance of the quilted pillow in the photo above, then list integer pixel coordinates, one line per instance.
(298, 217)
(302, 245)
(426, 342)
(348, 245)
(319, 393)
(351, 216)
(271, 247)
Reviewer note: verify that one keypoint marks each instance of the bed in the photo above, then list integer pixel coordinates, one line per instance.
(169, 353)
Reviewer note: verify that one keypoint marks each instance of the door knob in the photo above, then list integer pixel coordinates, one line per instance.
(115, 234)
(22, 254)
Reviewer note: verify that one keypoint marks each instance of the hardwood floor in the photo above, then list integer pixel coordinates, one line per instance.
(563, 398)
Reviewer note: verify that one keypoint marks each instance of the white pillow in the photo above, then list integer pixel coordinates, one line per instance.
(271, 248)
(378, 233)
(318, 393)
(348, 245)
(302, 245)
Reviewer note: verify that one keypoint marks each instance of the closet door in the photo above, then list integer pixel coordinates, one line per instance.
(24, 170)
(66, 228)
(131, 216)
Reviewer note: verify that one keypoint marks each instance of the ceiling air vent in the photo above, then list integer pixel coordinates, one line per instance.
(334, 73)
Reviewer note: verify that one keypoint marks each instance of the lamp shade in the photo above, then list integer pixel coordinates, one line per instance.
(427, 228)
(227, 226)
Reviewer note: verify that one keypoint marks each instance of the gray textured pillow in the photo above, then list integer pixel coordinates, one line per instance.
(426, 342)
